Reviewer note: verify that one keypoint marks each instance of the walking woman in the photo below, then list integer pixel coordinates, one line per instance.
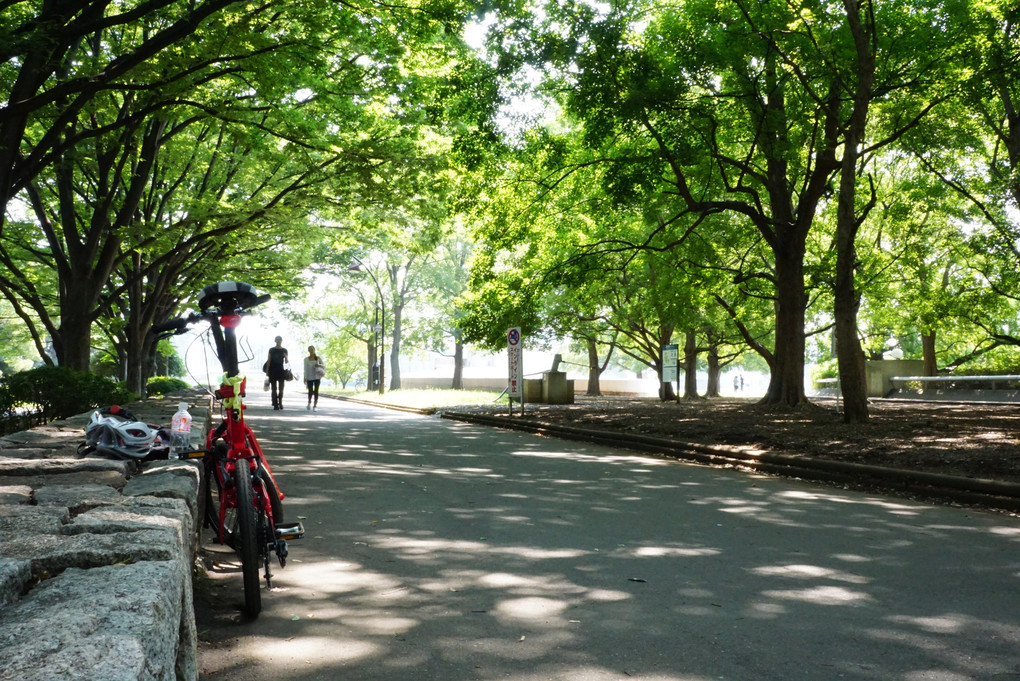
(276, 370)
(314, 371)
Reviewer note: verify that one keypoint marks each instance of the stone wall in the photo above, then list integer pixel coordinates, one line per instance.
(96, 556)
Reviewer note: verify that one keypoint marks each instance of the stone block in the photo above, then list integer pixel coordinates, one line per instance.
(105, 478)
(65, 440)
(17, 522)
(556, 389)
(14, 577)
(27, 453)
(533, 391)
(77, 498)
(15, 495)
(175, 480)
(43, 467)
(115, 623)
(52, 554)
(43, 472)
(135, 514)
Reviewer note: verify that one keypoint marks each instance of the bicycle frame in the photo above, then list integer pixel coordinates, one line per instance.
(243, 477)
(242, 444)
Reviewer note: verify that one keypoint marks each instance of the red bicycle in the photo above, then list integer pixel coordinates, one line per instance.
(243, 503)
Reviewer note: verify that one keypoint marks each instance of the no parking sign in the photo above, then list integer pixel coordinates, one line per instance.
(513, 344)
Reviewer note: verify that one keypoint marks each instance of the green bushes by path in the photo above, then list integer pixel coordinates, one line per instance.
(58, 392)
(163, 385)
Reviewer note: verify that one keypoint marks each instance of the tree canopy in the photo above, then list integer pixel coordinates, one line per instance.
(733, 176)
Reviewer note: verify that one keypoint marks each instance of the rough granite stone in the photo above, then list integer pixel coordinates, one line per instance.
(18, 522)
(35, 467)
(50, 554)
(112, 623)
(47, 437)
(43, 472)
(15, 495)
(178, 481)
(105, 478)
(19, 452)
(78, 498)
(95, 584)
(14, 576)
(127, 517)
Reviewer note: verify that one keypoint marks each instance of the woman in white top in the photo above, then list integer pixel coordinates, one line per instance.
(314, 371)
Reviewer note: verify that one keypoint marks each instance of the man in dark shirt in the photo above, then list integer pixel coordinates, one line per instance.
(276, 370)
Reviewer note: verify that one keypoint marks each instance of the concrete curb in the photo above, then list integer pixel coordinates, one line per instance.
(987, 493)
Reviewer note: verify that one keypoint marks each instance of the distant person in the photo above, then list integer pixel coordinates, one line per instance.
(741, 382)
(736, 384)
(276, 370)
(315, 369)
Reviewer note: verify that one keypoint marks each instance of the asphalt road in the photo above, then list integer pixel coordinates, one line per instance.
(444, 551)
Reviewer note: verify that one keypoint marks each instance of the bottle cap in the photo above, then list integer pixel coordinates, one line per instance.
(183, 406)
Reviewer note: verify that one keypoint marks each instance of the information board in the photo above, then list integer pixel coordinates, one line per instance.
(670, 357)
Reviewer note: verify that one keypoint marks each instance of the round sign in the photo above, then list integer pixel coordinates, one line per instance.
(513, 336)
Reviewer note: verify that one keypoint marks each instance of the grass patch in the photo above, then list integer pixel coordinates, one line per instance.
(425, 398)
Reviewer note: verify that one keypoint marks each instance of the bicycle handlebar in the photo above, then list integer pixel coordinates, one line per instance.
(227, 298)
(173, 327)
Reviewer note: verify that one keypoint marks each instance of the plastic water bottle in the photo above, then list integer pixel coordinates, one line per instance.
(180, 432)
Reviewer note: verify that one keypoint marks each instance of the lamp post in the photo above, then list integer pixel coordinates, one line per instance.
(380, 326)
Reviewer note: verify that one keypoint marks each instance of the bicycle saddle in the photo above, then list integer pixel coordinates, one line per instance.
(228, 296)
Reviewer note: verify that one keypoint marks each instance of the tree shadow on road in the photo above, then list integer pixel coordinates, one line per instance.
(445, 551)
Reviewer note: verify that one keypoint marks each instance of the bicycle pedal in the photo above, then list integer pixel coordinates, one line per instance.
(281, 551)
(290, 531)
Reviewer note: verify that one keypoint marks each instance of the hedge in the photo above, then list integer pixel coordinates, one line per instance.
(58, 392)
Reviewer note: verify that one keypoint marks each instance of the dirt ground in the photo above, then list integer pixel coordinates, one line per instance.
(972, 440)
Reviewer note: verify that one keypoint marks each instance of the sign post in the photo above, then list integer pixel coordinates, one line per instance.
(670, 365)
(515, 387)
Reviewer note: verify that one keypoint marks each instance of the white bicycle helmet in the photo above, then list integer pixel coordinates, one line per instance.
(116, 433)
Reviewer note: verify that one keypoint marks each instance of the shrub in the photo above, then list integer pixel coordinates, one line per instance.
(60, 392)
(163, 385)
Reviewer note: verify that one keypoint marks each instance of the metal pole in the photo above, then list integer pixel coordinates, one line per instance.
(382, 342)
(375, 350)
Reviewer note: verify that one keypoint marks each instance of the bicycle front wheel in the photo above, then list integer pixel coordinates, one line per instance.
(247, 540)
(217, 500)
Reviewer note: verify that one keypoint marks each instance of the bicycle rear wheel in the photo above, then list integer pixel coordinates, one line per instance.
(248, 540)
(275, 504)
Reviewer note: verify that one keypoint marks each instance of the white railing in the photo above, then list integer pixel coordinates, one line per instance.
(927, 381)
(833, 382)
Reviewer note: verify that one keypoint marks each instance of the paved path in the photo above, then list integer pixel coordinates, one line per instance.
(449, 552)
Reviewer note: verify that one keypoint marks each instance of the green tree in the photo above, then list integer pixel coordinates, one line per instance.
(55, 61)
(747, 109)
(444, 280)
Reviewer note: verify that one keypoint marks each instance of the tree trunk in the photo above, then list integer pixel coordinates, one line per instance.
(458, 363)
(395, 347)
(134, 358)
(594, 370)
(852, 373)
(931, 365)
(713, 371)
(73, 342)
(786, 383)
(849, 354)
(690, 366)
